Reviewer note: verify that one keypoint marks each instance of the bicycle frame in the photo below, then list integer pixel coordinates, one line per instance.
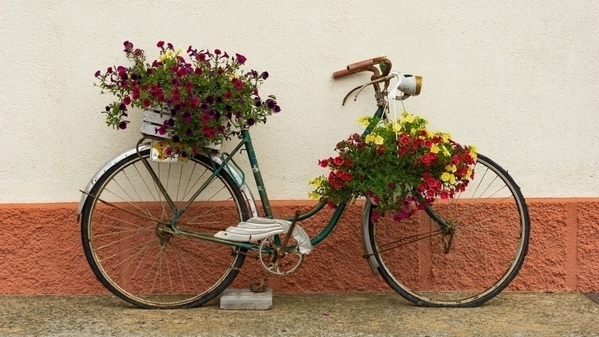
(227, 160)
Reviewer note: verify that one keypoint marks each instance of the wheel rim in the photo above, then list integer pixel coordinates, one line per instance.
(132, 243)
(469, 261)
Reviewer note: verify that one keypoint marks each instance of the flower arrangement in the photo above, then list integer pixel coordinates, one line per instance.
(400, 166)
(208, 96)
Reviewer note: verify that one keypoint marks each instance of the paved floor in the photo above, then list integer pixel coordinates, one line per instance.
(355, 314)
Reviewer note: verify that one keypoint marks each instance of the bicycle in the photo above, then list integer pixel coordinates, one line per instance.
(159, 233)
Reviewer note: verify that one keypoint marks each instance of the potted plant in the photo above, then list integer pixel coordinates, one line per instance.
(203, 96)
(399, 166)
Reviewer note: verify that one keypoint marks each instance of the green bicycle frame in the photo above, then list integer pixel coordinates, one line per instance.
(339, 209)
(246, 142)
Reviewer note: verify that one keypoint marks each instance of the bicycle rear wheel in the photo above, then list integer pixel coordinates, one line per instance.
(459, 252)
(130, 243)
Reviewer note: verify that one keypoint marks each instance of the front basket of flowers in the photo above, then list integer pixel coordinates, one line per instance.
(200, 98)
(400, 167)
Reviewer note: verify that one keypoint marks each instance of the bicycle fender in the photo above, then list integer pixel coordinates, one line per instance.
(368, 249)
(130, 152)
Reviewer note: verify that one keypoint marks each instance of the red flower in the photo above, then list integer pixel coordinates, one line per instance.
(237, 83)
(323, 163)
(240, 58)
(338, 161)
(147, 102)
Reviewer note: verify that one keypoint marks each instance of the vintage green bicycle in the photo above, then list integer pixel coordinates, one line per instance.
(159, 233)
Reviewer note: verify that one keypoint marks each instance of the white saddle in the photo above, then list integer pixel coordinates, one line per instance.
(258, 228)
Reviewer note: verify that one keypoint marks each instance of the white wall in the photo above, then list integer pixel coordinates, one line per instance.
(520, 79)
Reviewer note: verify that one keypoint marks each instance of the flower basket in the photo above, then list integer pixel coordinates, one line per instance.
(401, 167)
(193, 100)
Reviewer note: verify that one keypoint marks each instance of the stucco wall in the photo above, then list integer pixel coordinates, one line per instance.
(41, 252)
(518, 79)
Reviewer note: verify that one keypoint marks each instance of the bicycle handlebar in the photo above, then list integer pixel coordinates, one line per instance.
(367, 65)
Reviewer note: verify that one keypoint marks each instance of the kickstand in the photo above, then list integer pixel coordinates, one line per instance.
(260, 286)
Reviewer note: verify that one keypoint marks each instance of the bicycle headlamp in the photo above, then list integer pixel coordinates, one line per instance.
(410, 85)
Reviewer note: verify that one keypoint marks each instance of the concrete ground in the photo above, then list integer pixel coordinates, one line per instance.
(353, 314)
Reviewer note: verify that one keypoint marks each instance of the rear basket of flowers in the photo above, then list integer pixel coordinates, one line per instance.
(192, 99)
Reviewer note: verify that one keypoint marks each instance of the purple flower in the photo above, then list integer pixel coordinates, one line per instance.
(123, 125)
(277, 109)
(264, 75)
(186, 117)
(240, 58)
(217, 51)
(128, 46)
(160, 44)
(160, 130)
(251, 121)
(97, 74)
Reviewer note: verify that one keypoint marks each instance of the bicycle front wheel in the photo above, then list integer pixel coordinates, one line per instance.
(135, 249)
(459, 252)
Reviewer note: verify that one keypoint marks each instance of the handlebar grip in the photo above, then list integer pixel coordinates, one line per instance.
(341, 73)
(365, 65)
(354, 68)
(360, 65)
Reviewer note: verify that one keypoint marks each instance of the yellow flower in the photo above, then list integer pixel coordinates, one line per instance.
(407, 118)
(445, 137)
(314, 195)
(469, 173)
(448, 177)
(451, 168)
(473, 151)
(364, 121)
(316, 181)
(435, 149)
(396, 127)
(374, 139)
(170, 54)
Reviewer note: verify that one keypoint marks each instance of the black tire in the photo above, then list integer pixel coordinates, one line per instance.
(131, 247)
(491, 228)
